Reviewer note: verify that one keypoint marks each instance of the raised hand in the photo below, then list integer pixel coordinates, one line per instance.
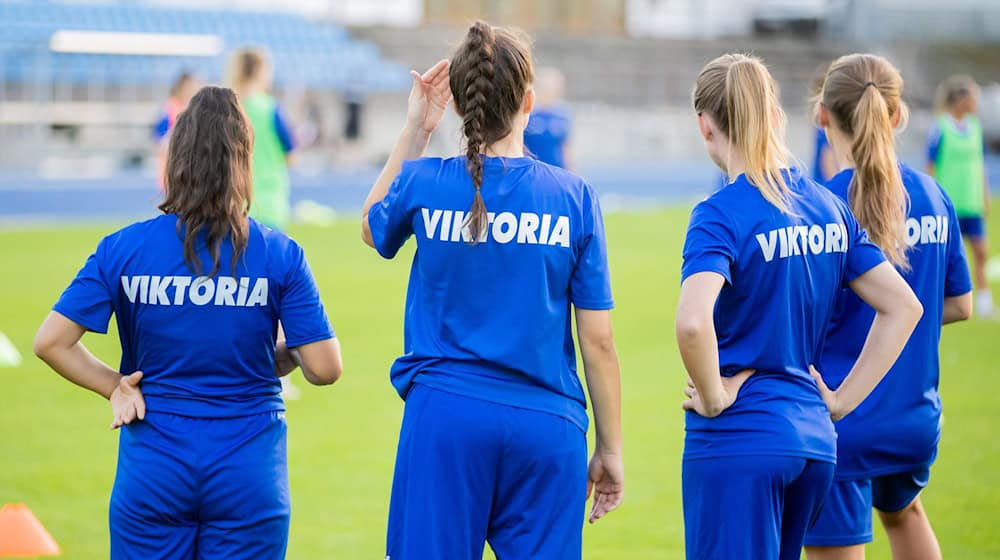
(127, 403)
(429, 97)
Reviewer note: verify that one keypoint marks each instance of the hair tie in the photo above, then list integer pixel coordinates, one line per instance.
(870, 84)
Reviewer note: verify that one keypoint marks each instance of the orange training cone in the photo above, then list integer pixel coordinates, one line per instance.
(22, 534)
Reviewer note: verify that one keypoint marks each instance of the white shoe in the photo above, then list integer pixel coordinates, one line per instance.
(984, 304)
(289, 391)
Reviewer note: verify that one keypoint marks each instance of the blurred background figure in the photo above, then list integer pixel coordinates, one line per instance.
(955, 157)
(251, 77)
(181, 93)
(548, 131)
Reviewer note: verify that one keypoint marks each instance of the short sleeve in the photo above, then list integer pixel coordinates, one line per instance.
(283, 130)
(87, 300)
(590, 285)
(956, 281)
(933, 143)
(390, 220)
(162, 127)
(862, 254)
(301, 311)
(709, 245)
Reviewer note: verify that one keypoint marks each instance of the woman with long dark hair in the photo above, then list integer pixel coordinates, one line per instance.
(197, 293)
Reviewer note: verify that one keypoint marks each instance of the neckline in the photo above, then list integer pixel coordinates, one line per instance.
(508, 161)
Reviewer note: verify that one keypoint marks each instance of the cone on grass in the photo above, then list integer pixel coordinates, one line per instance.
(22, 534)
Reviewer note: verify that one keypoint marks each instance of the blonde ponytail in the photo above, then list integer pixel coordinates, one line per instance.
(863, 95)
(739, 93)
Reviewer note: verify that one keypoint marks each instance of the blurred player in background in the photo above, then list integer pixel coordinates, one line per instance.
(955, 151)
(197, 293)
(764, 259)
(181, 93)
(548, 132)
(493, 443)
(251, 77)
(885, 448)
(823, 166)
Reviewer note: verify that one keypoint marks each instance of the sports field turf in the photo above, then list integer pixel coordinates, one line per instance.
(58, 456)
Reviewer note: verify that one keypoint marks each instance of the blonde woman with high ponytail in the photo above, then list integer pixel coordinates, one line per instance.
(764, 260)
(493, 445)
(886, 447)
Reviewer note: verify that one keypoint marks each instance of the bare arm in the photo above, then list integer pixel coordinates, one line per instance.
(699, 347)
(986, 192)
(58, 344)
(429, 97)
(897, 312)
(957, 308)
(600, 364)
(321, 362)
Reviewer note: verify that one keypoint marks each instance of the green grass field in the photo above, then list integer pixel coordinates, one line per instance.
(58, 456)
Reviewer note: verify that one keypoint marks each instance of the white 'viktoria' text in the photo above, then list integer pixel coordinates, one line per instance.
(178, 290)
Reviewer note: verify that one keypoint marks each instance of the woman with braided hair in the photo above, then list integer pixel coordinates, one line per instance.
(493, 441)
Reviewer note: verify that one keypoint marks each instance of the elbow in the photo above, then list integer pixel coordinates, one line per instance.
(964, 313)
(43, 346)
(366, 232)
(603, 345)
(689, 329)
(963, 308)
(914, 310)
(327, 375)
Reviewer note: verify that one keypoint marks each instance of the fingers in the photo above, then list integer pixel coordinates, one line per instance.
(688, 404)
(435, 71)
(816, 375)
(133, 380)
(590, 488)
(604, 503)
(140, 408)
(690, 382)
(690, 392)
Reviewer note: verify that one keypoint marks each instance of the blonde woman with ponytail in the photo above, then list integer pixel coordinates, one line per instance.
(886, 447)
(493, 443)
(764, 260)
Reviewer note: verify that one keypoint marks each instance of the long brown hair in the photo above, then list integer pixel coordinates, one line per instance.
(863, 95)
(490, 74)
(208, 179)
(740, 95)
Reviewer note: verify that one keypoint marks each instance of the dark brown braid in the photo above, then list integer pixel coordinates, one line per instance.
(489, 76)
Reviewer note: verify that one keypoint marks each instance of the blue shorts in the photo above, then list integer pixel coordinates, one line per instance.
(470, 471)
(973, 227)
(190, 488)
(846, 518)
(757, 505)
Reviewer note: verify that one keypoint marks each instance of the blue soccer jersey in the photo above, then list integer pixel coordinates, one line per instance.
(783, 272)
(492, 320)
(897, 427)
(546, 135)
(821, 144)
(205, 345)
